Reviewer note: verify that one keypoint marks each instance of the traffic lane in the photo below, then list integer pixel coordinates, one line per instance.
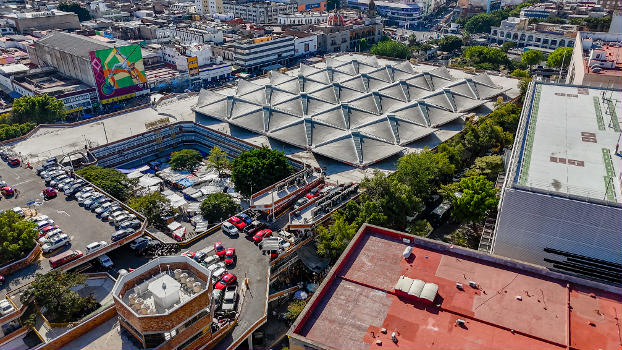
(80, 224)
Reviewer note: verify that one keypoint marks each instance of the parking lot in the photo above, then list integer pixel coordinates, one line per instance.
(80, 224)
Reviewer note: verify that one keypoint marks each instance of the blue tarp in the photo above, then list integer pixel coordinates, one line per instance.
(15, 94)
(185, 182)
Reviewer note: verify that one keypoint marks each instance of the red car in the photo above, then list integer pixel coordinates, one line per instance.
(49, 192)
(14, 161)
(7, 191)
(261, 235)
(230, 256)
(314, 192)
(237, 222)
(189, 254)
(226, 280)
(219, 249)
(46, 229)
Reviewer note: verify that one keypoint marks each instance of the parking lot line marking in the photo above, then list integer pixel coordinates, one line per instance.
(23, 182)
(63, 212)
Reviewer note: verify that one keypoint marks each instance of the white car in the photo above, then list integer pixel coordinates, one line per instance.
(95, 246)
(41, 218)
(50, 236)
(6, 307)
(56, 243)
(216, 274)
(19, 211)
(43, 223)
(105, 261)
(216, 266)
(229, 229)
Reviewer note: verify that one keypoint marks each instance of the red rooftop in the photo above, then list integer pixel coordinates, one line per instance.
(482, 301)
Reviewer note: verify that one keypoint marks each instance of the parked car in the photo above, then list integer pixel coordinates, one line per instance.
(230, 298)
(90, 200)
(302, 201)
(253, 227)
(200, 255)
(7, 191)
(247, 219)
(315, 192)
(43, 223)
(230, 256)
(105, 261)
(18, 211)
(120, 234)
(105, 214)
(237, 222)
(212, 259)
(84, 197)
(49, 193)
(215, 266)
(47, 229)
(261, 235)
(14, 161)
(103, 206)
(229, 229)
(286, 236)
(135, 224)
(95, 246)
(94, 206)
(59, 241)
(219, 249)
(49, 236)
(91, 203)
(64, 257)
(59, 185)
(139, 242)
(218, 273)
(6, 307)
(226, 280)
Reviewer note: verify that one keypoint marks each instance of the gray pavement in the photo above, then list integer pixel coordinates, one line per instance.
(81, 225)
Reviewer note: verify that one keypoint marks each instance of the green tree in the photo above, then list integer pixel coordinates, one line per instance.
(485, 57)
(478, 197)
(37, 109)
(218, 160)
(363, 45)
(9, 131)
(332, 240)
(110, 180)
(54, 292)
(186, 159)
(391, 48)
(217, 207)
(506, 116)
(154, 206)
(507, 46)
(561, 56)
(17, 237)
(423, 171)
(531, 57)
(83, 14)
(481, 23)
(485, 135)
(488, 166)
(389, 199)
(259, 168)
(520, 73)
(454, 151)
(420, 228)
(523, 85)
(295, 308)
(450, 43)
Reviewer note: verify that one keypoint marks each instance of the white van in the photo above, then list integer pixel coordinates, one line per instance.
(95, 246)
(56, 243)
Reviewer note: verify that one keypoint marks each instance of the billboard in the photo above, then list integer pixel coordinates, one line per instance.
(193, 65)
(118, 71)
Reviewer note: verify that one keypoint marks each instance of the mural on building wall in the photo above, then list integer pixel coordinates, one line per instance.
(119, 72)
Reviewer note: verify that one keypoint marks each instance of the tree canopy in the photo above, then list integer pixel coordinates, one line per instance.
(391, 48)
(53, 291)
(507, 46)
(422, 171)
(532, 57)
(488, 166)
(561, 55)
(83, 14)
(217, 207)
(478, 196)
(332, 240)
(37, 109)
(17, 237)
(186, 159)
(485, 57)
(481, 23)
(450, 43)
(294, 309)
(218, 160)
(154, 206)
(110, 180)
(259, 168)
(520, 73)
(393, 201)
(9, 131)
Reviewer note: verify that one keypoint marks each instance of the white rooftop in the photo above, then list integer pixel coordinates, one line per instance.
(569, 142)
(354, 109)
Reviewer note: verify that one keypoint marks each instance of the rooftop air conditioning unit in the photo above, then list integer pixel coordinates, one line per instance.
(460, 322)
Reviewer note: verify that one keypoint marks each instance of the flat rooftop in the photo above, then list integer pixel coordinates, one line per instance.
(357, 299)
(568, 141)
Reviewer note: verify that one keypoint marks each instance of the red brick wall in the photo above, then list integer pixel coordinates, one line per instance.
(20, 264)
(72, 334)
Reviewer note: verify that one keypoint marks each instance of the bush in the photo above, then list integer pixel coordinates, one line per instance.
(186, 159)
(520, 73)
(17, 237)
(154, 206)
(37, 109)
(295, 308)
(561, 56)
(484, 57)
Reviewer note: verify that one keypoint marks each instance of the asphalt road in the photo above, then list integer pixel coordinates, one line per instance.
(80, 224)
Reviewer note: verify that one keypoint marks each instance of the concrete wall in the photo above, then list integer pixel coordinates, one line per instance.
(71, 65)
(58, 21)
(20, 264)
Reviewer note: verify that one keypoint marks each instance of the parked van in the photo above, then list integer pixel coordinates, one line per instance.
(64, 257)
